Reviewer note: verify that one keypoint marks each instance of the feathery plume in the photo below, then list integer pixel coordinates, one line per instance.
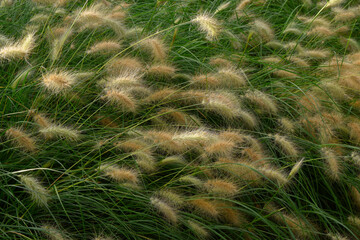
(21, 139)
(224, 104)
(56, 131)
(286, 125)
(58, 81)
(332, 3)
(332, 163)
(208, 24)
(125, 64)
(119, 174)
(154, 46)
(204, 207)
(220, 187)
(38, 193)
(221, 62)
(229, 215)
(354, 221)
(53, 233)
(18, 50)
(104, 47)
(355, 196)
(295, 169)
(145, 161)
(263, 101)
(336, 236)
(173, 160)
(120, 99)
(164, 141)
(354, 132)
(287, 147)
(274, 175)
(124, 80)
(191, 180)
(198, 229)
(298, 226)
(167, 211)
(263, 30)
(162, 70)
(220, 148)
(231, 77)
(133, 145)
(171, 197)
(41, 120)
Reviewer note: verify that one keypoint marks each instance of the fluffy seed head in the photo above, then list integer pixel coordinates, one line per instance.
(58, 81)
(264, 30)
(41, 120)
(173, 160)
(288, 147)
(295, 169)
(38, 193)
(56, 131)
(209, 25)
(204, 207)
(355, 196)
(166, 210)
(274, 175)
(198, 229)
(156, 47)
(21, 139)
(120, 99)
(53, 233)
(264, 102)
(104, 47)
(354, 132)
(171, 197)
(231, 78)
(125, 64)
(220, 187)
(191, 180)
(161, 70)
(220, 148)
(18, 50)
(120, 174)
(333, 165)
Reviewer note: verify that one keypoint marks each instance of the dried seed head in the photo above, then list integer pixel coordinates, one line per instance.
(120, 99)
(58, 81)
(154, 46)
(209, 25)
(21, 139)
(333, 165)
(56, 131)
(200, 231)
(38, 193)
(295, 169)
(120, 174)
(287, 147)
(161, 70)
(53, 233)
(18, 50)
(204, 207)
(263, 101)
(264, 30)
(166, 210)
(104, 47)
(125, 64)
(220, 187)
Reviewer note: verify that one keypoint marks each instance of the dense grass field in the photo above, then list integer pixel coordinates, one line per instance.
(186, 119)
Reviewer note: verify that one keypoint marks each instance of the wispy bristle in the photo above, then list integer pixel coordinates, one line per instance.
(18, 50)
(209, 25)
(333, 165)
(295, 169)
(286, 146)
(120, 174)
(38, 193)
(220, 187)
(274, 175)
(220, 148)
(198, 229)
(171, 197)
(191, 180)
(263, 101)
(104, 47)
(204, 207)
(120, 99)
(161, 70)
(56, 131)
(53, 233)
(125, 64)
(21, 139)
(58, 81)
(156, 47)
(167, 211)
(264, 30)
